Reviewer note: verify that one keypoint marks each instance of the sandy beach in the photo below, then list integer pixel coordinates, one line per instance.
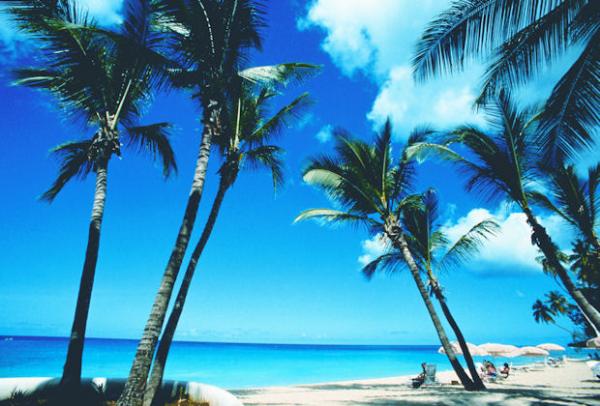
(569, 384)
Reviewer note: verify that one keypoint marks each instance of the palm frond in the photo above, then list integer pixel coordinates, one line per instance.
(544, 201)
(570, 116)
(75, 163)
(267, 156)
(154, 139)
(334, 216)
(471, 28)
(273, 76)
(390, 262)
(281, 120)
(542, 313)
(469, 244)
(530, 49)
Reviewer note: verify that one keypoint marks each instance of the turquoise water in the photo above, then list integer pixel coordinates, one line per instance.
(226, 365)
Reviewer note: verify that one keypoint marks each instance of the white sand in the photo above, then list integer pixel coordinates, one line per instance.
(569, 384)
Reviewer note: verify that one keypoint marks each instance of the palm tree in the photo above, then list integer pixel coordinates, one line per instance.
(505, 165)
(103, 81)
(576, 200)
(519, 39)
(426, 238)
(372, 190)
(555, 304)
(246, 147)
(211, 39)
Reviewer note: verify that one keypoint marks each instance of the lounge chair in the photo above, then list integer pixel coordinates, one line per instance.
(430, 378)
(427, 378)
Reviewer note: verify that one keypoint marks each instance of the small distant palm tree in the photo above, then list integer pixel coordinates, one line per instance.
(505, 165)
(519, 39)
(430, 247)
(555, 304)
(372, 190)
(247, 147)
(102, 79)
(211, 40)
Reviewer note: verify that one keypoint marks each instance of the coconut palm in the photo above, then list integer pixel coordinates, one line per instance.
(555, 304)
(574, 199)
(211, 39)
(428, 242)
(103, 81)
(373, 190)
(517, 40)
(247, 147)
(505, 165)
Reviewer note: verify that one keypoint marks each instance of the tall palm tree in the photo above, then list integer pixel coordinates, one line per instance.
(518, 39)
(247, 146)
(372, 190)
(427, 240)
(103, 81)
(211, 39)
(505, 165)
(574, 199)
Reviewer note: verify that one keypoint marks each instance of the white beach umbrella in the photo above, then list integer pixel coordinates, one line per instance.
(497, 349)
(511, 354)
(533, 352)
(473, 349)
(551, 347)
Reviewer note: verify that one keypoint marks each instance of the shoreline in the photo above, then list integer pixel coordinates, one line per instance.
(567, 384)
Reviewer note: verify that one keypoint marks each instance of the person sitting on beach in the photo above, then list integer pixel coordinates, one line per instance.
(418, 381)
(505, 371)
(490, 370)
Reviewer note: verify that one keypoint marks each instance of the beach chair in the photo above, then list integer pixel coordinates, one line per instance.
(430, 378)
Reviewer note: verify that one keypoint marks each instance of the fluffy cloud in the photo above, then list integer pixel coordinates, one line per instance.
(410, 105)
(362, 36)
(325, 134)
(510, 251)
(372, 249)
(379, 41)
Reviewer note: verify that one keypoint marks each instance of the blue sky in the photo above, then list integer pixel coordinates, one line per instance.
(262, 279)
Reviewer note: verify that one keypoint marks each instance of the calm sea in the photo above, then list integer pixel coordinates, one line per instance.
(225, 365)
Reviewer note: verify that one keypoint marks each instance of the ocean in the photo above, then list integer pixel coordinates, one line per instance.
(228, 365)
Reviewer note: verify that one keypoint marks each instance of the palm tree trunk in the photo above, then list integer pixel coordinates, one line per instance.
(399, 242)
(133, 392)
(541, 238)
(71, 377)
(478, 383)
(160, 360)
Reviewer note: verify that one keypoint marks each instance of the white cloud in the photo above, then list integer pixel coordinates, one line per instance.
(372, 248)
(510, 251)
(325, 134)
(410, 105)
(362, 36)
(379, 42)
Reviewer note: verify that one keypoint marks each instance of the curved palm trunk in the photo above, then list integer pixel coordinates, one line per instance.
(400, 243)
(160, 360)
(71, 377)
(477, 382)
(133, 392)
(541, 238)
